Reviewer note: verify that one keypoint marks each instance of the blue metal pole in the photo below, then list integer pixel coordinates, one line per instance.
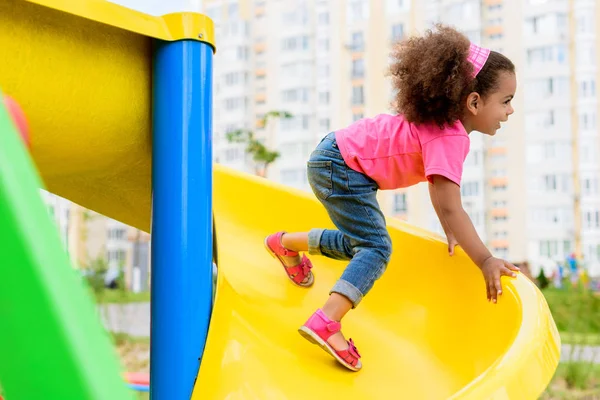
(182, 215)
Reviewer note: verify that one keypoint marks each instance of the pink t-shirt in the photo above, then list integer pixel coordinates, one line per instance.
(396, 153)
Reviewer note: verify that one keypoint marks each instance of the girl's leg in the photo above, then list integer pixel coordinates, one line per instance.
(297, 241)
(335, 308)
(352, 206)
(330, 243)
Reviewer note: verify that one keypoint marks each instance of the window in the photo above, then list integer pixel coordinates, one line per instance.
(543, 119)
(323, 71)
(589, 185)
(299, 95)
(549, 248)
(236, 78)
(295, 43)
(546, 54)
(588, 150)
(296, 16)
(396, 6)
(357, 10)
(499, 172)
(298, 122)
(324, 124)
(358, 41)
(495, 21)
(358, 68)
(116, 256)
(501, 252)
(358, 96)
(323, 45)
(232, 154)
(357, 116)
(400, 205)
(473, 158)
(397, 31)
(587, 88)
(549, 183)
(323, 18)
(499, 203)
(117, 233)
(500, 235)
(301, 69)
(214, 13)
(544, 88)
(233, 10)
(235, 103)
(586, 53)
(585, 23)
(323, 97)
(470, 189)
(587, 120)
(591, 219)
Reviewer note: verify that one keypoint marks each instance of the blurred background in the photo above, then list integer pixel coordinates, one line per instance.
(287, 72)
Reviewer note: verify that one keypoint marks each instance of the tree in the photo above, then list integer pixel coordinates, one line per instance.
(542, 280)
(261, 155)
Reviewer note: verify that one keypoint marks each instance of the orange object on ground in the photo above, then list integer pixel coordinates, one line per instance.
(136, 378)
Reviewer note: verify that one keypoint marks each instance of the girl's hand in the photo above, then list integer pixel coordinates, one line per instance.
(452, 243)
(493, 268)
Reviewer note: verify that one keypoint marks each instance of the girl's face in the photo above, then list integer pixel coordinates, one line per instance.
(486, 115)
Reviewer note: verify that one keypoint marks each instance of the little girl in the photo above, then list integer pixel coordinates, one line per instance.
(446, 87)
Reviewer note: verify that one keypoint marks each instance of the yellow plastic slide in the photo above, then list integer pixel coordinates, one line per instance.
(426, 331)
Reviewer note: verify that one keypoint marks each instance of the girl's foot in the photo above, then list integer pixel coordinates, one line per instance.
(321, 330)
(297, 268)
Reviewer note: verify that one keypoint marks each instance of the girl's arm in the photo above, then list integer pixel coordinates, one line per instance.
(447, 196)
(452, 242)
(438, 211)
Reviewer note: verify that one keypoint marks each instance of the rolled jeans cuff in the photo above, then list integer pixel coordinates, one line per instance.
(347, 290)
(314, 241)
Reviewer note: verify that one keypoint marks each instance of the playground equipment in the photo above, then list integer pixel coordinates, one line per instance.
(119, 108)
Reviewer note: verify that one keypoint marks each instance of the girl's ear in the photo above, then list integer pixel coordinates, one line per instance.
(474, 103)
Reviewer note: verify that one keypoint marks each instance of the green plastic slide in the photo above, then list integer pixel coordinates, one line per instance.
(52, 343)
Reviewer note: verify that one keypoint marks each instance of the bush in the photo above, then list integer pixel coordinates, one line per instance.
(542, 280)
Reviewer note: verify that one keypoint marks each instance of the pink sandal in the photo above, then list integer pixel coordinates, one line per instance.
(319, 328)
(297, 273)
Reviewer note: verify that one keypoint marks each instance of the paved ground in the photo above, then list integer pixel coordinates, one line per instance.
(580, 353)
(134, 319)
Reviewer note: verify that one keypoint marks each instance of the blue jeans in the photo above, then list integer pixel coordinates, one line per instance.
(350, 200)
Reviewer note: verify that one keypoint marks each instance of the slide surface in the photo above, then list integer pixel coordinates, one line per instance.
(426, 331)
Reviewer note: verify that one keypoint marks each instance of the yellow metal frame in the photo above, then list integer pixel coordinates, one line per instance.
(169, 27)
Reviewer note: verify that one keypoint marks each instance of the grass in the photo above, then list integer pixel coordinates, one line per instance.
(574, 381)
(575, 310)
(589, 339)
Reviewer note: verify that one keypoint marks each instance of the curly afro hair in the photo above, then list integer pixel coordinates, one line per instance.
(432, 76)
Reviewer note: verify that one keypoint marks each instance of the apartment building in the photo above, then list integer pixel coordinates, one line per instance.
(321, 60)
(531, 194)
(88, 236)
